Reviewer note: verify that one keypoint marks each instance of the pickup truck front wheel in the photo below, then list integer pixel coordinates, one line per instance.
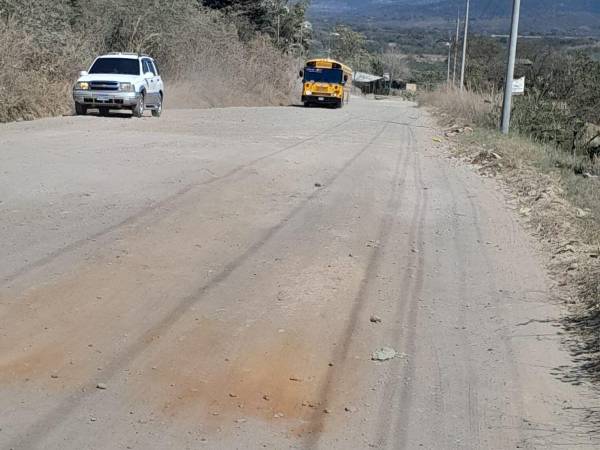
(138, 110)
(80, 109)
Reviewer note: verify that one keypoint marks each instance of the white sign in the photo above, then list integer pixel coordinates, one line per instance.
(386, 76)
(518, 87)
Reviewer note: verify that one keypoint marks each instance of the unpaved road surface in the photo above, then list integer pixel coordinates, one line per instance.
(207, 280)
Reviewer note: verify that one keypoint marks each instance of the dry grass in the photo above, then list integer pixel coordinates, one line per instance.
(472, 108)
(34, 82)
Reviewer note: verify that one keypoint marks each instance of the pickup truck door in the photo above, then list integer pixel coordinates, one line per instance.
(151, 79)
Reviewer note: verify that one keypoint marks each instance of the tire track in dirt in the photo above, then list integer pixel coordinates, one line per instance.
(405, 314)
(410, 322)
(472, 382)
(317, 421)
(57, 415)
(493, 295)
(157, 207)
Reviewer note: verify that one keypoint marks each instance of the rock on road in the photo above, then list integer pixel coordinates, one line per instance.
(221, 278)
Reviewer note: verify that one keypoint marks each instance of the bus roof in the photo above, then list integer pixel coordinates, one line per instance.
(326, 63)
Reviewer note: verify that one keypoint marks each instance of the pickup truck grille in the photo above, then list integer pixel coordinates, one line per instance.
(104, 86)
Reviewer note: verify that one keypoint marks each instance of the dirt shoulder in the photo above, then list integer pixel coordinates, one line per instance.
(561, 208)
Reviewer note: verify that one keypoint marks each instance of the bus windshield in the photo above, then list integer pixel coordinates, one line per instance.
(323, 75)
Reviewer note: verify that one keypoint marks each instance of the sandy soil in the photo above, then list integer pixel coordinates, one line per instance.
(207, 280)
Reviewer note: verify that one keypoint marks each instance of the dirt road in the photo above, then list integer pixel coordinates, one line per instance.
(207, 280)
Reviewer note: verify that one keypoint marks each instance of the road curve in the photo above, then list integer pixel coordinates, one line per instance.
(209, 280)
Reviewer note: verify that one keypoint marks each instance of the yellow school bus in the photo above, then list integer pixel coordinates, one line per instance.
(326, 82)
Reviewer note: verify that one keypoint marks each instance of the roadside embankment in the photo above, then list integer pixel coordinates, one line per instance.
(557, 193)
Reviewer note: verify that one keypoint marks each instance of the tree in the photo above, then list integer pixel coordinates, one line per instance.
(282, 20)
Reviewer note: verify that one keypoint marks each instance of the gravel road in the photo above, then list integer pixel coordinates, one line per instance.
(210, 280)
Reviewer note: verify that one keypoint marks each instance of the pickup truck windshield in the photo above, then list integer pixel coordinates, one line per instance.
(323, 75)
(120, 66)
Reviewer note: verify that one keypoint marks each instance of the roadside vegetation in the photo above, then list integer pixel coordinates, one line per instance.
(550, 163)
(225, 52)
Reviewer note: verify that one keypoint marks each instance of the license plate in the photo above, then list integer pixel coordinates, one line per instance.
(103, 98)
(321, 99)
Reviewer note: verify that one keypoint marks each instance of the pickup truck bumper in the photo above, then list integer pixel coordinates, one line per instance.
(112, 100)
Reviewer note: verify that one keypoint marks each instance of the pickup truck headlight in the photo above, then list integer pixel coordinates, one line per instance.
(126, 87)
(82, 85)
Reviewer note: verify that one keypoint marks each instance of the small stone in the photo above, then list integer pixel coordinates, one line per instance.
(232, 395)
(54, 376)
(327, 411)
(384, 354)
(266, 397)
(241, 420)
(101, 386)
(296, 379)
(93, 419)
(375, 319)
(350, 409)
(318, 185)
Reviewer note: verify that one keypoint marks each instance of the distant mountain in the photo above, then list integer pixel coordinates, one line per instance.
(578, 17)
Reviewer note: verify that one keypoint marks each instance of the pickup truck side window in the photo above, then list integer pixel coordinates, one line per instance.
(148, 67)
(156, 71)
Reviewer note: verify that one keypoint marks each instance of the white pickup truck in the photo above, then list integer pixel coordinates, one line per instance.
(120, 81)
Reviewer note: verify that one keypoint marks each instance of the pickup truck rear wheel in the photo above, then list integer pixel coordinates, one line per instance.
(138, 110)
(158, 110)
(80, 109)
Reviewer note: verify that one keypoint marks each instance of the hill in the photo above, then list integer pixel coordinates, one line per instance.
(548, 17)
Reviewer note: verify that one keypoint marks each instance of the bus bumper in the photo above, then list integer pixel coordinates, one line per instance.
(323, 100)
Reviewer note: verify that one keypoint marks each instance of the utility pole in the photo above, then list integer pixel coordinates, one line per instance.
(464, 55)
(332, 34)
(449, 44)
(456, 40)
(510, 67)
